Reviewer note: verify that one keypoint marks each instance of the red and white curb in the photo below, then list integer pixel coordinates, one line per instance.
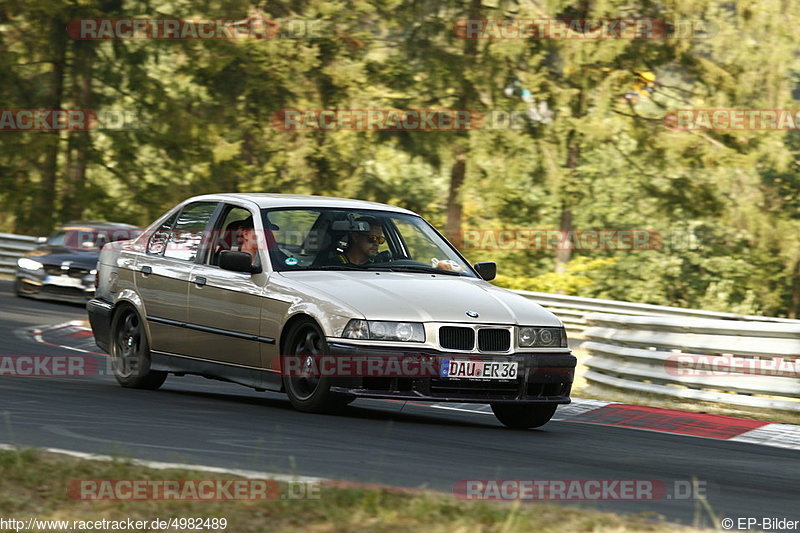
(76, 335)
(662, 420)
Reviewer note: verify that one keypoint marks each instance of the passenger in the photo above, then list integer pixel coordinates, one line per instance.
(245, 237)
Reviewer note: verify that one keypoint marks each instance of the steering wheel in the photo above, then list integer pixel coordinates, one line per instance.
(383, 257)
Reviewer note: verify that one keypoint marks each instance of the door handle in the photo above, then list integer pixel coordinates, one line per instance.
(147, 270)
(200, 281)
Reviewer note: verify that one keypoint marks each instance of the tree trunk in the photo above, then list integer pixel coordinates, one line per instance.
(467, 98)
(455, 205)
(564, 253)
(794, 310)
(72, 206)
(43, 217)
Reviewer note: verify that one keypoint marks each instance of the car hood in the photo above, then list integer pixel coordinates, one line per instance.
(425, 298)
(56, 256)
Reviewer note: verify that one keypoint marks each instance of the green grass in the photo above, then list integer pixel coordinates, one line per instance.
(33, 484)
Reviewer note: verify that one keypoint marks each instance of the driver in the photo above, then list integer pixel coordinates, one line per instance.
(362, 246)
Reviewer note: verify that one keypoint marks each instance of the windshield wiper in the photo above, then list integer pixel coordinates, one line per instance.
(345, 266)
(422, 268)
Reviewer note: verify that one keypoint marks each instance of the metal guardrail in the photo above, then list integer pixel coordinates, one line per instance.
(639, 346)
(737, 363)
(573, 310)
(12, 247)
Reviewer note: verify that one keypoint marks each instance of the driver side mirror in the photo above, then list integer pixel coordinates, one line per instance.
(486, 270)
(41, 240)
(238, 262)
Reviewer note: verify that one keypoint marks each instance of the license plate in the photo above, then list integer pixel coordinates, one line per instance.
(478, 369)
(64, 281)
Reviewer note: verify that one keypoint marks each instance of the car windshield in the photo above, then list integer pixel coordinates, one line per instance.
(344, 239)
(87, 238)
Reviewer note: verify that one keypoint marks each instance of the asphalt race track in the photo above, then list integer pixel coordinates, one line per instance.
(198, 421)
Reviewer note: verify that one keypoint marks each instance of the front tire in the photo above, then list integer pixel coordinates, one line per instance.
(19, 289)
(130, 352)
(524, 415)
(309, 393)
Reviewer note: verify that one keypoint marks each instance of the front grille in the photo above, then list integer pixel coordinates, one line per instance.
(73, 272)
(455, 338)
(494, 340)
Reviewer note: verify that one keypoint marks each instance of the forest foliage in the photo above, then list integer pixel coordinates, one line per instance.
(591, 151)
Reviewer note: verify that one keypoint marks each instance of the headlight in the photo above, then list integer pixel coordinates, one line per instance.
(384, 331)
(29, 264)
(533, 337)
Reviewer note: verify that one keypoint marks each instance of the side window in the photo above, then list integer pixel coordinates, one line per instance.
(189, 231)
(229, 233)
(158, 241)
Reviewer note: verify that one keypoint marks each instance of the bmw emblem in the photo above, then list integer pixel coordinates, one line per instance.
(472, 314)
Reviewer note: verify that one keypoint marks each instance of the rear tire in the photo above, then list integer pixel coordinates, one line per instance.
(524, 415)
(130, 352)
(311, 394)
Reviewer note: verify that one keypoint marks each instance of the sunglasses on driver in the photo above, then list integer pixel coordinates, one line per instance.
(380, 239)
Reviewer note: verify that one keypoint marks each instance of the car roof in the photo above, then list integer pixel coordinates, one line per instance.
(94, 224)
(269, 200)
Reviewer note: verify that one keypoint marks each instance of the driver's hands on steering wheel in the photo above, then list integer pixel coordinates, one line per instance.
(446, 264)
(383, 257)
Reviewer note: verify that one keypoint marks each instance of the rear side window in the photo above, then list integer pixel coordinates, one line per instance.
(189, 231)
(158, 241)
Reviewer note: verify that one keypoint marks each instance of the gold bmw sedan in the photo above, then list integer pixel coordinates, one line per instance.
(327, 300)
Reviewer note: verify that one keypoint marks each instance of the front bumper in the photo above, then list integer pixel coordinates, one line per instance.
(38, 284)
(541, 378)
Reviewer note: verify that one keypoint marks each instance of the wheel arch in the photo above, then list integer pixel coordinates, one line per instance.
(287, 326)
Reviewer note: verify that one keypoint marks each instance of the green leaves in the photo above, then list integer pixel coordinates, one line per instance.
(602, 159)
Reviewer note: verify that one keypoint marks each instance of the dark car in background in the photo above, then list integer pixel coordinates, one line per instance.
(63, 266)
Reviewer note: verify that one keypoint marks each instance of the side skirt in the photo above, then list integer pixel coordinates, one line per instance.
(255, 378)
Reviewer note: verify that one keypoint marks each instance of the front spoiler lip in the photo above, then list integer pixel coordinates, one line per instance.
(384, 395)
